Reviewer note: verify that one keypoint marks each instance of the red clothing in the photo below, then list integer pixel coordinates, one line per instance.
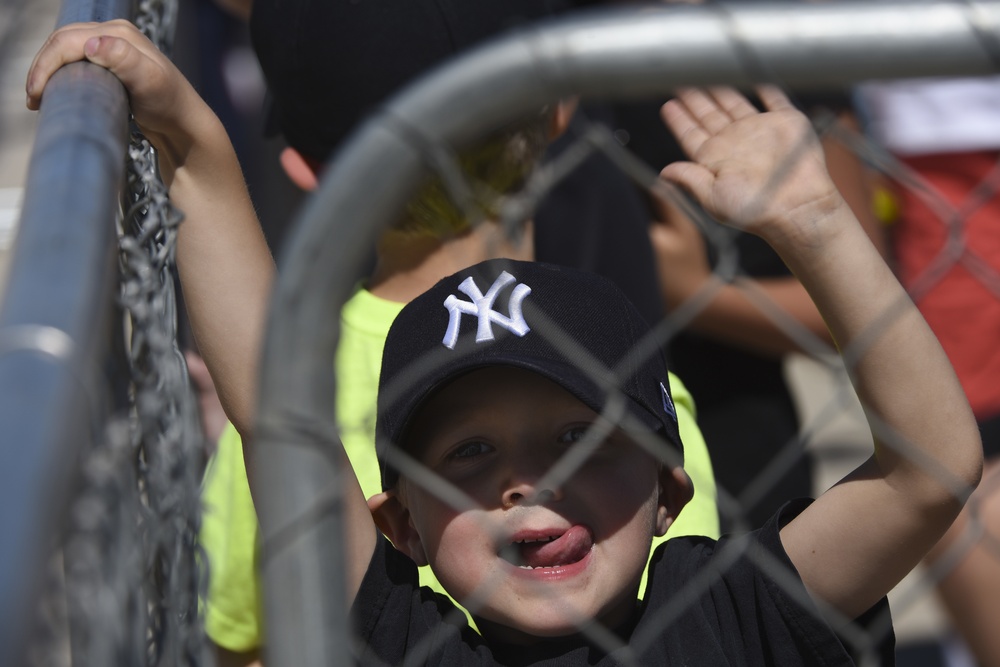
(956, 283)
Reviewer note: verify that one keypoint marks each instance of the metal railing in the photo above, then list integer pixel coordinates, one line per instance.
(56, 316)
(57, 323)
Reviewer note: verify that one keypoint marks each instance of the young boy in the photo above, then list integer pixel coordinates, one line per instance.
(538, 556)
(299, 43)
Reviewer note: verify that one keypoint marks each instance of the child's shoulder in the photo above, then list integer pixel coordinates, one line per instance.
(741, 593)
(393, 614)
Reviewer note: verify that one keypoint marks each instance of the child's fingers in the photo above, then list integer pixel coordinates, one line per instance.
(773, 98)
(685, 127)
(129, 32)
(705, 109)
(114, 45)
(123, 59)
(693, 177)
(734, 102)
(62, 47)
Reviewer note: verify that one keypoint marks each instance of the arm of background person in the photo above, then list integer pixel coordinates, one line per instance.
(733, 315)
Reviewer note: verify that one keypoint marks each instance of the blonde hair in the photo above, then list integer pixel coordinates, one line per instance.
(493, 168)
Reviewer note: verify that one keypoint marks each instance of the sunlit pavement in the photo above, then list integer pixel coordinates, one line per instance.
(25, 25)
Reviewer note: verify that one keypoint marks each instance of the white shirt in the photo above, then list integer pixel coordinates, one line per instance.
(919, 116)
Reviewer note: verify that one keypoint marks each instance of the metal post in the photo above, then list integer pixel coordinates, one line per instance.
(55, 317)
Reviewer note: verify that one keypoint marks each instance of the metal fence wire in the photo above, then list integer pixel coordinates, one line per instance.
(620, 55)
(123, 588)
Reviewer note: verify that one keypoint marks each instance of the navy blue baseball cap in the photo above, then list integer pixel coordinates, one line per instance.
(574, 328)
(330, 63)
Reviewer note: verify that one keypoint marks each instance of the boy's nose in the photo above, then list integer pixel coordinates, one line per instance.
(534, 492)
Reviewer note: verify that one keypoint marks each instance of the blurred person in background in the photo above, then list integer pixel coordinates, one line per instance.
(945, 134)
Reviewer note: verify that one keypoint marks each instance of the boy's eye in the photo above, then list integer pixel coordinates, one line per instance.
(469, 450)
(573, 435)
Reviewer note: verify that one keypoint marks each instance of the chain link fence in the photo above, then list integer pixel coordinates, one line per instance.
(121, 584)
(611, 55)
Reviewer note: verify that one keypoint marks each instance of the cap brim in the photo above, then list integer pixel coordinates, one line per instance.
(567, 375)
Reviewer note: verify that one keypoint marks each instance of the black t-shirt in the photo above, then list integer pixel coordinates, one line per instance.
(708, 603)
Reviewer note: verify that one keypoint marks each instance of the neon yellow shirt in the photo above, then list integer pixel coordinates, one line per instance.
(229, 530)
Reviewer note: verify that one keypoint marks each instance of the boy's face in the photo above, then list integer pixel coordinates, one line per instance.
(533, 559)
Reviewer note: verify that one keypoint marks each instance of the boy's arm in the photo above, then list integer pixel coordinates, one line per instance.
(765, 173)
(225, 267)
(732, 315)
(224, 264)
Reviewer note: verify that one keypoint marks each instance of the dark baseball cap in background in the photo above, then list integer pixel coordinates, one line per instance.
(330, 63)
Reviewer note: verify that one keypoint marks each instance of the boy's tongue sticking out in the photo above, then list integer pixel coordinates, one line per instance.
(570, 547)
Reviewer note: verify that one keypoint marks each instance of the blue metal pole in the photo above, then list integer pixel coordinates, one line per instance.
(55, 318)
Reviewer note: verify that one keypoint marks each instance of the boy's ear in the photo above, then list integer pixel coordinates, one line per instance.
(393, 519)
(563, 115)
(299, 169)
(676, 490)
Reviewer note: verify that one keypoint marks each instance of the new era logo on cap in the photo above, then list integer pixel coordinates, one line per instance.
(668, 402)
(482, 307)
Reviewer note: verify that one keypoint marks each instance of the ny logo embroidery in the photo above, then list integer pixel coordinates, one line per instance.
(482, 307)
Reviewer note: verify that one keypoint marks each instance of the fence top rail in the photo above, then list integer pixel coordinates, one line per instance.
(611, 53)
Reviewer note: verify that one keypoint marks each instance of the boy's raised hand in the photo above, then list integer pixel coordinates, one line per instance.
(163, 102)
(765, 173)
(756, 171)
